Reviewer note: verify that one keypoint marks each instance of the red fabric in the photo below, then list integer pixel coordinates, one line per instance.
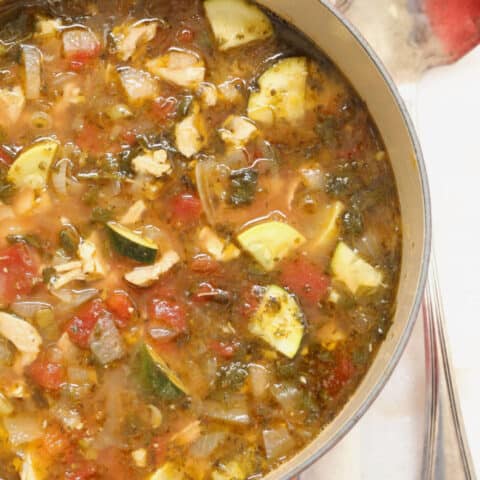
(456, 23)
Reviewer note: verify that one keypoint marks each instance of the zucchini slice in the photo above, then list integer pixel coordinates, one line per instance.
(278, 321)
(282, 92)
(270, 242)
(156, 377)
(130, 244)
(236, 22)
(32, 166)
(348, 267)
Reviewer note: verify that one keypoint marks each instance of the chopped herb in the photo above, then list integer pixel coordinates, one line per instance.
(327, 130)
(243, 186)
(360, 356)
(69, 239)
(6, 188)
(232, 376)
(47, 274)
(352, 221)
(101, 215)
(184, 106)
(28, 238)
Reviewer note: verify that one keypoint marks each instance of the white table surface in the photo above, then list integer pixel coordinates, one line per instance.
(387, 442)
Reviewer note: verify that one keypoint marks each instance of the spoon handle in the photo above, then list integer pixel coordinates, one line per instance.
(446, 453)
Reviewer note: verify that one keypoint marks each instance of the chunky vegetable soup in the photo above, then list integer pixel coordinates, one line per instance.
(199, 241)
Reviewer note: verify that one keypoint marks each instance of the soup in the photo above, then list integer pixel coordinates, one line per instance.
(199, 241)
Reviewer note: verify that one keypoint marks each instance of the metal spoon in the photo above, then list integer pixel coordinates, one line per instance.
(446, 453)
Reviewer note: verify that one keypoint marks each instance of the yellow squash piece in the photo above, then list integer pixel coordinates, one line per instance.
(278, 321)
(329, 228)
(32, 166)
(169, 471)
(282, 92)
(348, 267)
(236, 22)
(270, 242)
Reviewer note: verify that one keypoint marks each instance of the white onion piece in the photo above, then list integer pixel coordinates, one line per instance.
(106, 342)
(259, 380)
(32, 60)
(313, 178)
(59, 176)
(278, 442)
(28, 309)
(23, 428)
(287, 395)
(75, 298)
(207, 444)
(235, 410)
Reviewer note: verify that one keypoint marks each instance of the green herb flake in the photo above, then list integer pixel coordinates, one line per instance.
(101, 215)
(243, 186)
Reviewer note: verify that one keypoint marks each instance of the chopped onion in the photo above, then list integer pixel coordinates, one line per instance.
(278, 442)
(210, 178)
(23, 428)
(74, 298)
(106, 342)
(313, 178)
(28, 309)
(207, 444)
(59, 176)
(235, 410)
(287, 395)
(259, 380)
(32, 59)
(6, 407)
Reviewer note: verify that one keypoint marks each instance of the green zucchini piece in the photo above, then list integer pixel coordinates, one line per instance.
(348, 267)
(156, 377)
(270, 242)
(282, 93)
(236, 22)
(32, 166)
(278, 321)
(130, 244)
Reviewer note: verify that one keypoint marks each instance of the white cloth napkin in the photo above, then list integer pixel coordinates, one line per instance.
(387, 442)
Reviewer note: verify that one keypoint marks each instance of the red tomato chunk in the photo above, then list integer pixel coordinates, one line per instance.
(186, 208)
(305, 280)
(47, 374)
(82, 324)
(18, 272)
(167, 320)
(121, 305)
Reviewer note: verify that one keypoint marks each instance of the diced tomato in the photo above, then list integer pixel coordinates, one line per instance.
(114, 464)
(225, 350)
(167, 320)
(121, 305)
(80, 58)
(186, 208)
(343, 371)
(186, 35)
(81, 470)
(129, 137)
(164, 109)
(160, 449)
(305, 280)
(18, 272)
(47, 374)
(55, 441)
(203, 263)
(5, 157)
(82, 324)
(90, 140)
